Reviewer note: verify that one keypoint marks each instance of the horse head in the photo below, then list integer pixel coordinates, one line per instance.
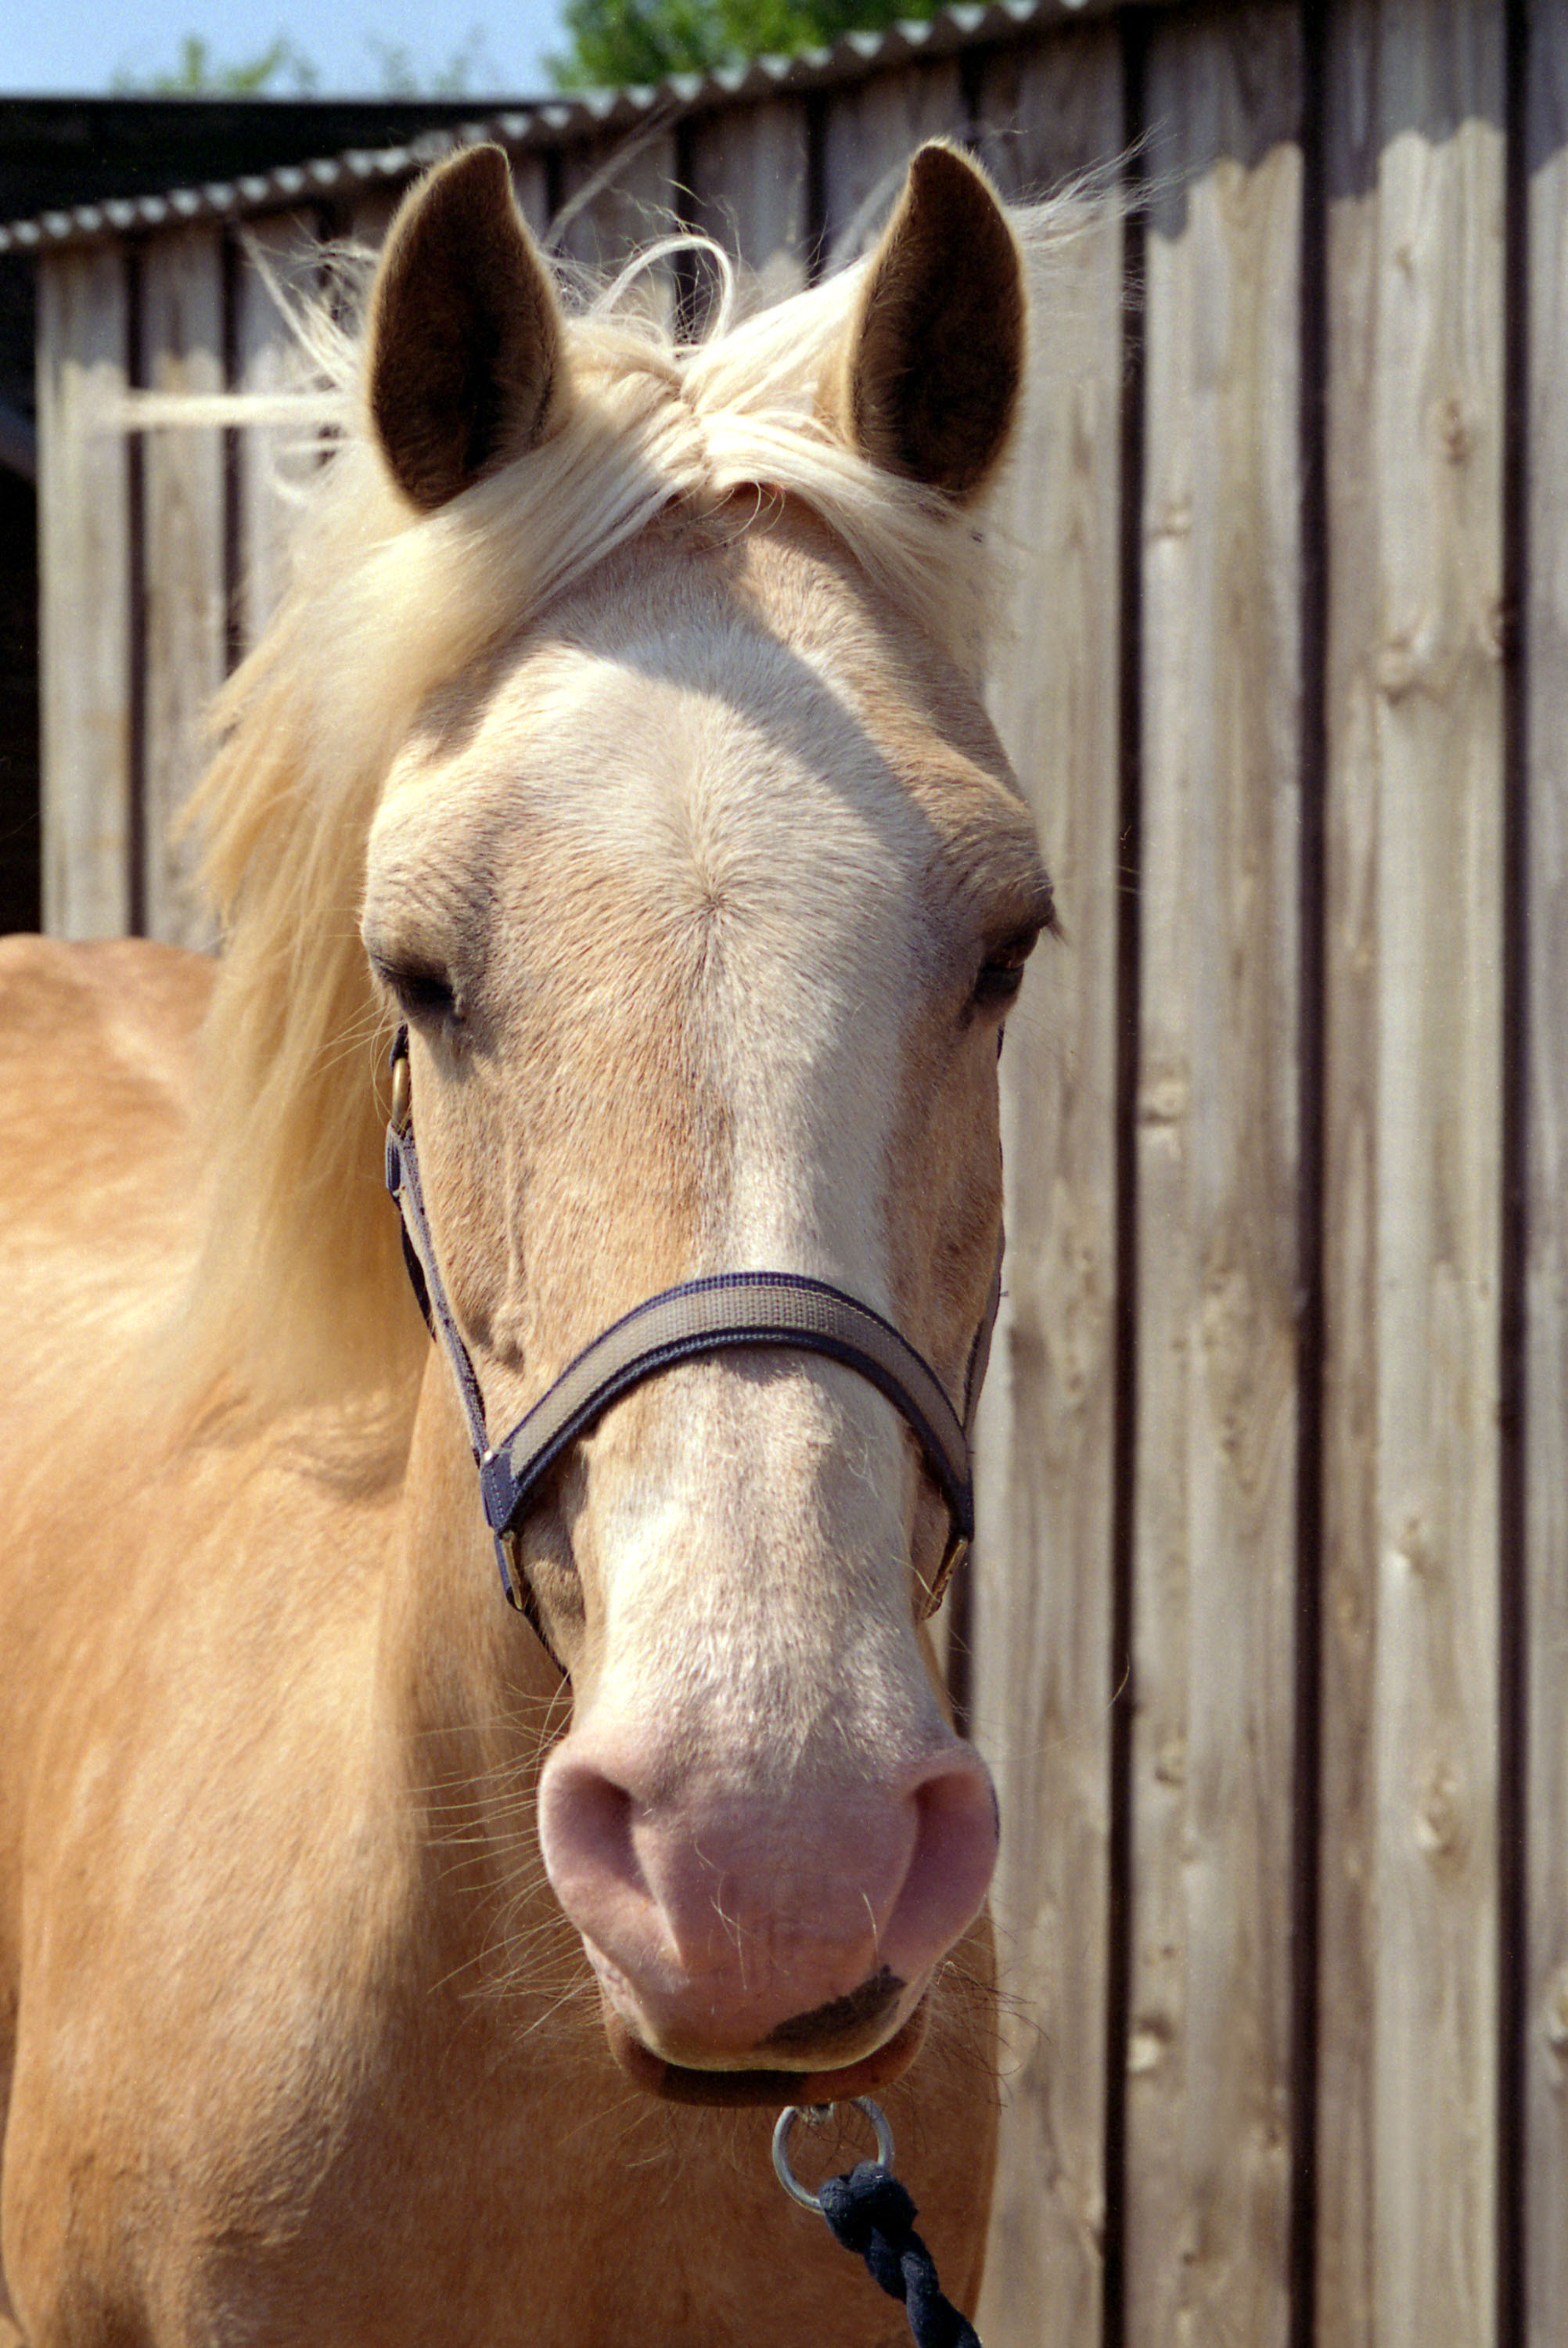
(703, 896)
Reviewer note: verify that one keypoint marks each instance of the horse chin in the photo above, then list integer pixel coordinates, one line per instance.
(680, 2082)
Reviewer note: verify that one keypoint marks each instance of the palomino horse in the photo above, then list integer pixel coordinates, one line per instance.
(372, 1976)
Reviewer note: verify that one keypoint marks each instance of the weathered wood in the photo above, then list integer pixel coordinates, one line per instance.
(531, 186)
(85, 595)
(1546, 1122)
(370, 216)
(1346, 2247)
(871, 130)
(274, 462)
(182, 332)
(1415, 871)
(748, 179)
(616, 195)
(1208, 2107)
(1040, 1685)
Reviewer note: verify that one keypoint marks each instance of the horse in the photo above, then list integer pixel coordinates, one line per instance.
(610, 811)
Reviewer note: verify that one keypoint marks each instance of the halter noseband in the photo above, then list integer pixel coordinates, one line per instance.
(702, 1316)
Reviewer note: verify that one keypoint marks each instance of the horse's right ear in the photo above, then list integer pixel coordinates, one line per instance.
(466, 365)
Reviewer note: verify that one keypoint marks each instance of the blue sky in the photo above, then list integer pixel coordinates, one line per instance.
(72, 46)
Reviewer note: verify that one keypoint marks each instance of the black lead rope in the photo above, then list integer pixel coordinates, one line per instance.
(872, 2214)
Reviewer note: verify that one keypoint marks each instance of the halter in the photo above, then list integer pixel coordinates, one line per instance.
(712, 1315)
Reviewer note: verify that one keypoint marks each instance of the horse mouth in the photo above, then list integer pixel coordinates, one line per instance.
(844, 2022)
(678, 2083)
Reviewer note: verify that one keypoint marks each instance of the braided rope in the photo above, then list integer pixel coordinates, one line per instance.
(872, 2214)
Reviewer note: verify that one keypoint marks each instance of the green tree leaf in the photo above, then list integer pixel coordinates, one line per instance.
(282, 68)
(199, 74)
(619, 41)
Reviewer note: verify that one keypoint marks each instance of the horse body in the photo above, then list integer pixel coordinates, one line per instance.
(282, 2073)
(703, 886)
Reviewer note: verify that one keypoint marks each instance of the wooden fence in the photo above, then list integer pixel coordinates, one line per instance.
(1268, 1632)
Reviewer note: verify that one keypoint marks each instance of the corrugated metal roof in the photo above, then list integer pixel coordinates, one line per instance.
(540, 124)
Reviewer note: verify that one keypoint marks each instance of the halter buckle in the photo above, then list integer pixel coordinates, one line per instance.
(401, 1089)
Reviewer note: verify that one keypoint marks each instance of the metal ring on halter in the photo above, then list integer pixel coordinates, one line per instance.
(814, 2116)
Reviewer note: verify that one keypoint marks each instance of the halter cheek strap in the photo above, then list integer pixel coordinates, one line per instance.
(701, 1316)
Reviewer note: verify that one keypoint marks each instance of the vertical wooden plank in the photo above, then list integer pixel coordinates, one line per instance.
(617, 194)
(274, 461)
(1041, 1612)
(1208, 2121)
(872, 129)
(1345, 2259)
(182, 345)
(531, 186)
(748, 175)
(1546, 1123)
(85, 591)
(1409, 1993)
(370, 216)
(1437, 404)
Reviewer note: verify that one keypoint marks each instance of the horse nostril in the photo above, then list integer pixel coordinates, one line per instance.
(950, 1867)
(722, 1921)
(589, 1844)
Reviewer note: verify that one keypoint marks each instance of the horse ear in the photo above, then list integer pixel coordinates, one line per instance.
(930, 378)
(465, 356)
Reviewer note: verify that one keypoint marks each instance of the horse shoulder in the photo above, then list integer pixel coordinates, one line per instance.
(201, 1888)
(97, 1056)
(97, 1067)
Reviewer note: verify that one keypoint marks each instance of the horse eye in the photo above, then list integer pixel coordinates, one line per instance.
(1001, 973)
(423, 992)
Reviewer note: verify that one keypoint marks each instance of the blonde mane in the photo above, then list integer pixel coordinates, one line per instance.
(300, 1290)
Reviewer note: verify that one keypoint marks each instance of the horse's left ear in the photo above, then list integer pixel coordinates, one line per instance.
(928, 381)
(466, 367)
